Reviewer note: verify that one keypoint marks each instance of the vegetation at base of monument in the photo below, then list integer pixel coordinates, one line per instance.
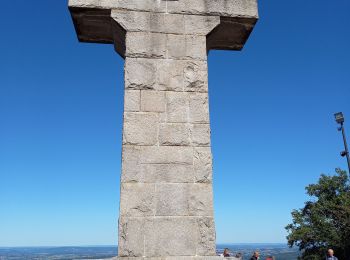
(324, 222)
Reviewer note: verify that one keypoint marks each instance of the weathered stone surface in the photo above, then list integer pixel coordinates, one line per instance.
(140, 128)
(166, 74)
(131, 237)
(164, 168)
(242, 8)
(199, 108)
(140, 73)
(177, 107)
(206, 236)
(134, 21)
(171, 236)
(186, 47)
(137, 199)
(168, 236)
(160, 45)
(166, 173)
(176, 258)
(202, 164)
(132, 101)
(152, 101)
(172, 199)
(146, 45)
(184, 199)
(200, 134)
(200, 200)
(166, 155)
(131, 164)
(200, 25)
(196, 76)
(150, 22)
(174, 134)
(166, 208)
(170, 75)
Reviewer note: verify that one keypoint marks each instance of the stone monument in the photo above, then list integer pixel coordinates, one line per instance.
(166, 202)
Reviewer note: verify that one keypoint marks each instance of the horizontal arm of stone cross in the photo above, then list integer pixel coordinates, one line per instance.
(96, 20)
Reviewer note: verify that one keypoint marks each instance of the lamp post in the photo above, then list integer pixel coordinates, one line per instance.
(339, 118)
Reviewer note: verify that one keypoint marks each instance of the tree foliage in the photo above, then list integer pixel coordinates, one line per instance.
(324, 222)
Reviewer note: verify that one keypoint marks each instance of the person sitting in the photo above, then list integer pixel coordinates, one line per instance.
(226, 252)
(255, 256)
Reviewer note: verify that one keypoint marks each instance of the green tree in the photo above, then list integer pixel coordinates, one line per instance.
(324, 222)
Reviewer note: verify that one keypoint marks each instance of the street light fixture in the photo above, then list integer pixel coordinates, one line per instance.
(339, 118)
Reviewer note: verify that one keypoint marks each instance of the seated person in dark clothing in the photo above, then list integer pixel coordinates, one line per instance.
(226, 252)
(256, 256)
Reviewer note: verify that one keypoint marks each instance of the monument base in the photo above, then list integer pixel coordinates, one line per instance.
(177, 258)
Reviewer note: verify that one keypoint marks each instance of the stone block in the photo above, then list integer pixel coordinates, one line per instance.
(136, 21)
(135, 168)
(132, 21)
(200, 25)
(140, 73)
(146, 45)
(131, 237)
(206, 236)
(140, 128)
(152, 101)
(177, 107)
(199, 108)
(132, 100)
(172, 199)
(200, 134)
(167, 23)
(240, 8)
(196, 47)
(130, 163)
(176, 46)
(202, 161)
(200, 200)
(186, 47)
(176, 258)
(166, 173)
(196, 76)
(171, 236)
(167, 155)
(174, 134)
(187, 199)
(137, 199)
(170, 75)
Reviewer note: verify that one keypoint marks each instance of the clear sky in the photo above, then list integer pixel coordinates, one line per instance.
(271, 109)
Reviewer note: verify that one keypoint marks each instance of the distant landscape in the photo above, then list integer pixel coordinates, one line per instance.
(279, 251)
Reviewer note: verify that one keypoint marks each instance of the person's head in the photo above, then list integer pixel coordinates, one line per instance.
(226, 251)
(238, 254)
(330, 252)
(256, 254)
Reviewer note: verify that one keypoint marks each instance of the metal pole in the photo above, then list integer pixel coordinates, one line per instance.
(346, 147)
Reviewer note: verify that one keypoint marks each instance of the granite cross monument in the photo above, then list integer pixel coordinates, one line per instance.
(166, 202)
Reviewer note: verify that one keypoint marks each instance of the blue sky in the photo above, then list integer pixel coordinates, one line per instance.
(271, 109)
